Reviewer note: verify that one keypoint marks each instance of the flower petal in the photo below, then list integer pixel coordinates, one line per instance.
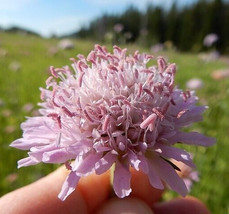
(134, 160)
(105, 163)
(177, 154)
(153, 175)
(168, 174)
(36, 153)
(121, 181)
(192, 138)
(68, 186)
(86, 165)
(25, 144)
(143, 166)
(26, 162)
(57, 156)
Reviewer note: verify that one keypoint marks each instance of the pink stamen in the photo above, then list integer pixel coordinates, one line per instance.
(147, 71)
(53, 98)
(158, 113)
(53, 71)
(91, 57)
(149, 120)
(148, 92)
(116, 48)
(121, 146)
(181, 113)
(100, 48)
(81, 57)
(80, 79)
(68, 165)
(121, 79)
(161, 63)
(139, 90)
(112, 67)
(171, 69)
(48, 81)
(87, 116)
(67, 112)
(106, 123)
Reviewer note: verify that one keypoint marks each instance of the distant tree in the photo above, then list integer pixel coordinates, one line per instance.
(172, 24)
(155, 24)
(20, 30)
(185, 27)
(217, 15)
(224, 39)
(131, 20)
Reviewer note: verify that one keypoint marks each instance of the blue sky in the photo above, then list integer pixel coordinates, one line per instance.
(64, 16)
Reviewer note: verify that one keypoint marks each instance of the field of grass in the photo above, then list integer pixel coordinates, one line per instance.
(21, 87)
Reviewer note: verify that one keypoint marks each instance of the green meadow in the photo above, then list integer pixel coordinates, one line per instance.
(19, 95)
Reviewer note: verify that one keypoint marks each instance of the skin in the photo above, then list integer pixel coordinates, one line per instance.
(92, 195)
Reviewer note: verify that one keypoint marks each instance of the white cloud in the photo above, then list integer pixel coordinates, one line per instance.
(13, 5)
(58, 26)
(61, 25)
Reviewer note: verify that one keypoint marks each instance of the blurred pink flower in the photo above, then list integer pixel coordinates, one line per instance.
(118, 27)
(28, 107)
(11, 178)
(15, 66)
(113, 109)
(6, 113)
(210, 39)
(194, 84)
(10, 129)
(157, 48)
(66, 44)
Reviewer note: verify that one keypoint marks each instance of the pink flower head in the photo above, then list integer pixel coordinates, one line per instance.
(113, 110)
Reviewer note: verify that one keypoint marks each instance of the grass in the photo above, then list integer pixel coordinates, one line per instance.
(21, 87)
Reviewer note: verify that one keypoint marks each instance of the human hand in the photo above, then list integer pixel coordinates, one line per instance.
(92, 195)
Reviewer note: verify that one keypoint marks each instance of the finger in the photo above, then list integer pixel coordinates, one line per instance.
(95, 189)
(126, 205)
(141, 188)
(41, 196)
(188, 205)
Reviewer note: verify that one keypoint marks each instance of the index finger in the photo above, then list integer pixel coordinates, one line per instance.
(41, 196)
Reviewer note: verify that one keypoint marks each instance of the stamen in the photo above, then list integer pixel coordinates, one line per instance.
(171, 68)
(80, 79)
(139, 90)
(67, 112)
(121, 146)
(53, 71)
(87, 116)
(149, 120)
(91, 57)
(53, 98)
(181, 113)
(158, 113)
(148, 92)
(161, 63)
(68, 165)
(106, 122)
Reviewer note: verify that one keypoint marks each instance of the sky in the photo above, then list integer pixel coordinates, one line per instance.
(60, 17)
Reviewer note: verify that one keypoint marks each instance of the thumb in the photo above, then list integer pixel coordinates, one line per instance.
(126, 205)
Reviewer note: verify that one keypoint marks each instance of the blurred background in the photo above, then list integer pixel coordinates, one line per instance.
(35, 34)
